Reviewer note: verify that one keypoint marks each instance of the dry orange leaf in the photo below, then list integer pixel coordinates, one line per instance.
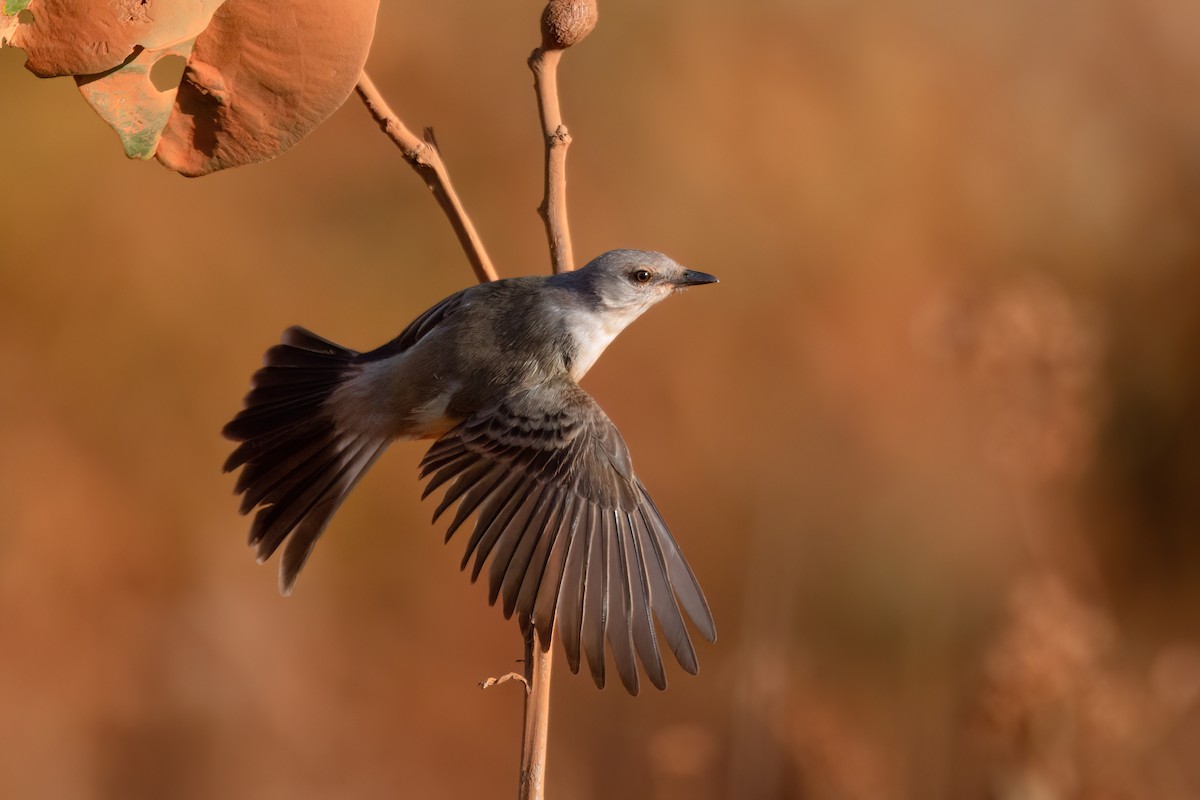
(261, 77)
(87, 37)
(260, 74)
(115, 49)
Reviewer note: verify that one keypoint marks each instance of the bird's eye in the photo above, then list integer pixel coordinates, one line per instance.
(641, 276)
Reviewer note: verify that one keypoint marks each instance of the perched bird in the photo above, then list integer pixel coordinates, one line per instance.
(492, 373)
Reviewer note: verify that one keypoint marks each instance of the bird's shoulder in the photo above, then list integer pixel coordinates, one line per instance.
(522, 302)
(430, 320)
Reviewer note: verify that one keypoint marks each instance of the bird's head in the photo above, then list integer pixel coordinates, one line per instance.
(614, 289)
(634, 280)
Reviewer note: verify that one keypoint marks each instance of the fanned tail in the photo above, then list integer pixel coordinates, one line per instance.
(297, 466)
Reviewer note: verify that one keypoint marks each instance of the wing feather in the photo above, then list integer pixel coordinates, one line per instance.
(536, 540)
(620, 621)
(687, 588)
(640, 603)
(666, 608)
(545, 568)
(595, 598)
(569, 598)
(571, 533)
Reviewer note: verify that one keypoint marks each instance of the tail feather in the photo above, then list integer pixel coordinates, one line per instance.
(267, 418)
(294, 496)
(297, 465)
(290, 376)
(259, 478)
(285, 393)
(280, 520)
(304, 537)
(266, 445)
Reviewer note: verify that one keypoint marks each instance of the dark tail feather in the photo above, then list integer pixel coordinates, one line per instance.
(297, 467)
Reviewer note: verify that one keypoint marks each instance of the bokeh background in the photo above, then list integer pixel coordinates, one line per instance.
(932, 446)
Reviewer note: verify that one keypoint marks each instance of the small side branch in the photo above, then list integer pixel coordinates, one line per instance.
(512, 676)
(553, 209)
(423, 156)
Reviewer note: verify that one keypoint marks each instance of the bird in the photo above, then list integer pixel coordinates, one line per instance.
(491, 374)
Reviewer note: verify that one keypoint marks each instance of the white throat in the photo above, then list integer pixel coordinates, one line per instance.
(593, 331)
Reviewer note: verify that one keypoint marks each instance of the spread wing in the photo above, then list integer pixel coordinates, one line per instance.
(571, 532)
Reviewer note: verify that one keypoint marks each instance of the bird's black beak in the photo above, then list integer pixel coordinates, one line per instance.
(693, 278)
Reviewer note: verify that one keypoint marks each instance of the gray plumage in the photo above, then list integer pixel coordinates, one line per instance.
(492, 373)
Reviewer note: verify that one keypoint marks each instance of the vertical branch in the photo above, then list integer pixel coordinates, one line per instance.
(564, 23)
(553, 209)
(423, 156)
(537, 717)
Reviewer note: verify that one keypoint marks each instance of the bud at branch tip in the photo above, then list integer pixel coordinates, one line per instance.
(567, 22)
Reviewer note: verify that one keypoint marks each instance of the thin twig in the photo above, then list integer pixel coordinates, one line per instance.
(423, 156)
(537, 717)
(553, 209)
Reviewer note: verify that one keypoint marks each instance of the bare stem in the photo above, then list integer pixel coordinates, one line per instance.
(537, 717)
(538, 659)
(553, 209)
(423, 156)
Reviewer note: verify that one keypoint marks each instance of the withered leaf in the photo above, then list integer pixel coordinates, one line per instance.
(88, 37)
(261, 77)
(112, 48)
(260, 74)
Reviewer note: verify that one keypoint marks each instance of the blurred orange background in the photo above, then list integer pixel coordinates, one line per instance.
(932, 446)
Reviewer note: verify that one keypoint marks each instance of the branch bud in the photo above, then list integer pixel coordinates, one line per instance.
(567, 22)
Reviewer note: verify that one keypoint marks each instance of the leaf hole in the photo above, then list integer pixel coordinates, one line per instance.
(167, 72)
